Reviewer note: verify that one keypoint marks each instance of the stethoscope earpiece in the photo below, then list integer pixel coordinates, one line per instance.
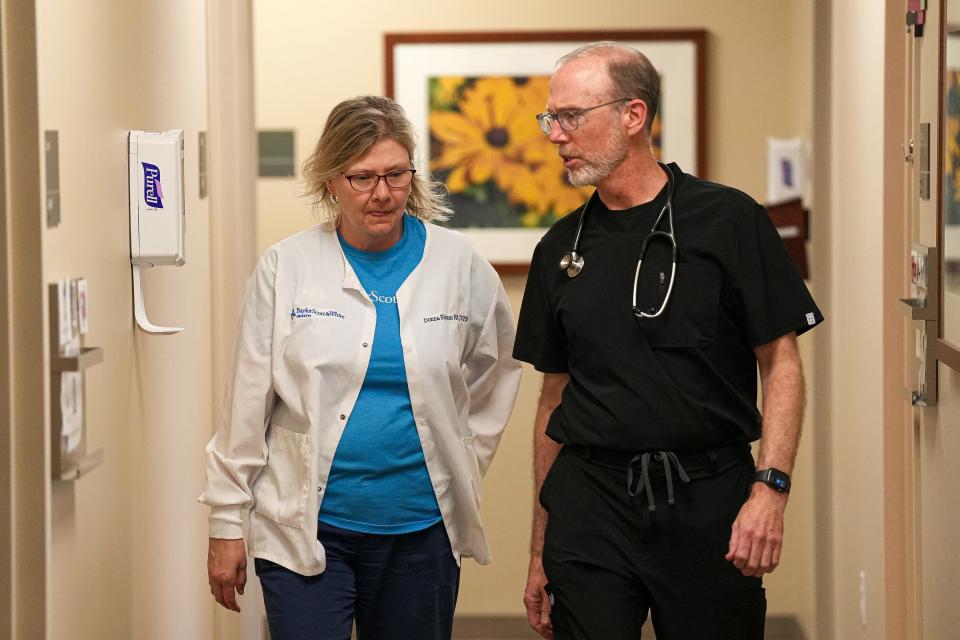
(572, 263)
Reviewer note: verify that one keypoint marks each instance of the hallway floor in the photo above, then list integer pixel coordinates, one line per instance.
(778, 628)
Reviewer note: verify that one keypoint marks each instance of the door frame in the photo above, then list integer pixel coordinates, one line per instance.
(901, 554)
(25, 568)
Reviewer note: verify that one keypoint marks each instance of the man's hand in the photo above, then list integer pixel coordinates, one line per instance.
(227, 570)
(536, 601)
(757, 533)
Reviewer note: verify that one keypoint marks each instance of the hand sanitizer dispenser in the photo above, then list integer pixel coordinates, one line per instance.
(157, 224)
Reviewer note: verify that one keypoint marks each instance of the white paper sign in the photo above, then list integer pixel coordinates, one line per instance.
(71, 408)
(63, 307)
(786, 169)
(82, 304)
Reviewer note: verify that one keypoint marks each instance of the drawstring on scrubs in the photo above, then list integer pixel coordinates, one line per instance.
(635, 485)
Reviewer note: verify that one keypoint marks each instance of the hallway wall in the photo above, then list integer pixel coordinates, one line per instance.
(128, 541)
(937, 430)
(852, 477)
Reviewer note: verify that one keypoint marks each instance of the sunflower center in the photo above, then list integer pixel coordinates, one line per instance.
(498, 137)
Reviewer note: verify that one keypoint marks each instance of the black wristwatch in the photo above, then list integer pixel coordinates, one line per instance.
(775, 478)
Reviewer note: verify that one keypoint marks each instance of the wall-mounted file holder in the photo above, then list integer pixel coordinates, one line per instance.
(922, 308)
(68, 366)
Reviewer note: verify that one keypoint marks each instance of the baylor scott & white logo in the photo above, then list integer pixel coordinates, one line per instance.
(310, 312)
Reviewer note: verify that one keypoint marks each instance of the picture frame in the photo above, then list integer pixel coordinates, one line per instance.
(419, 67)
(948, 204)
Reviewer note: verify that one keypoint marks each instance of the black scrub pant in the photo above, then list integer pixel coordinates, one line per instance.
(610, 560)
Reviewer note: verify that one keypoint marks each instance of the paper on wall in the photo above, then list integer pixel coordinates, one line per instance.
(71, 408)
(74, 311)
(786, 169)
(71, 401)
(82, 304)
(63, 309)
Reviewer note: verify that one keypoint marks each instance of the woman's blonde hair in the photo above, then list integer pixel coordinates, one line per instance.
(352, 128)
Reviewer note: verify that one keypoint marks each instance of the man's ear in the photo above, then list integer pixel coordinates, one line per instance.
(635, 116)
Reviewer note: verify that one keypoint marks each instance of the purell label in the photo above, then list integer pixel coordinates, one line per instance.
(152, 189)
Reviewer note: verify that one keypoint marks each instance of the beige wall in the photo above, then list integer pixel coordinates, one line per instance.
(939, 518)
(309, 56)
(128, 541)
(937, 430)
(854, 331)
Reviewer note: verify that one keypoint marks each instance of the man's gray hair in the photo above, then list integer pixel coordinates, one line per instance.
(632, 73)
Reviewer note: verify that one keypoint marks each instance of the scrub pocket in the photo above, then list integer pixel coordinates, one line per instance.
(282, 489)
(690, 319)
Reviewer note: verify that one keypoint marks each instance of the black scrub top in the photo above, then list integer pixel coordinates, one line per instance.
(688, 379)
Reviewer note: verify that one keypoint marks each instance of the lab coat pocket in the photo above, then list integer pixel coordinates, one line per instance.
(473, 465)
(283, 487)
(690, 319)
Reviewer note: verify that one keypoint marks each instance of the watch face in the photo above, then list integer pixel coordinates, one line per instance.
(776, 479)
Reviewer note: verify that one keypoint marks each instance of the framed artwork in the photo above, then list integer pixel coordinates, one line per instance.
(948, 207)
(473, 98)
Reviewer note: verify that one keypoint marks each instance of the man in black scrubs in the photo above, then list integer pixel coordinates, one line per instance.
(649, 498)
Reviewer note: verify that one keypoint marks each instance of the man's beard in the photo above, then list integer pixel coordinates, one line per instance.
(596, 167)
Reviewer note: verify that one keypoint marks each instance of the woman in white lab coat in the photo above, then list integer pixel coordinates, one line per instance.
(373, 379)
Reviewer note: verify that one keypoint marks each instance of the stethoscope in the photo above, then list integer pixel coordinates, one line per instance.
(572, 262)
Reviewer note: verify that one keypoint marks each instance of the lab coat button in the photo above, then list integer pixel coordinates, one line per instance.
(343, 416)
(365, 345)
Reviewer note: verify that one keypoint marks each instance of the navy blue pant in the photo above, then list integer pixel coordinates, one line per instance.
(395, 586)
(610, 560)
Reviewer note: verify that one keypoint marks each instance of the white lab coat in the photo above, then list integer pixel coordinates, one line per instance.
(302, 354)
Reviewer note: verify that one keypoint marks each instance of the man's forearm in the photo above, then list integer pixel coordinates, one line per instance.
(784, 392)
(545, 451)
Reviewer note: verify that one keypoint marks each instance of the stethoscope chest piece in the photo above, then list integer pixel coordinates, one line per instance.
(572, 263)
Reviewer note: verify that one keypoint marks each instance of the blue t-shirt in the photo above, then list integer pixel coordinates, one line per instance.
(379, 481)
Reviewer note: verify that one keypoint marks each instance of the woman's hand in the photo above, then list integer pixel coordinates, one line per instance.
(227, 570)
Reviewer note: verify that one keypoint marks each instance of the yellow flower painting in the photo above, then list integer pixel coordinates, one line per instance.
(486, 147)
(952, 152)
